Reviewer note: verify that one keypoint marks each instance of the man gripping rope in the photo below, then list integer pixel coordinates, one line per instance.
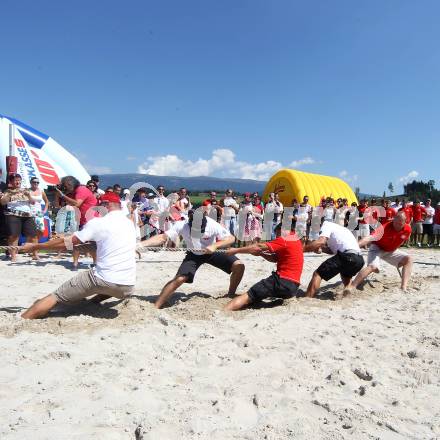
(115, 271)
(287, 252)
(346, 260)
(395, 233)
(204, 244)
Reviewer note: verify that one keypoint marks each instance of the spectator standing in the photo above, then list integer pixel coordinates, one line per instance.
(302, 217)
(437, 225)
(215, 206)
(396, 205)
(390, 212)
(418, 215)
(183, 204)
(407, 209)
(162, 206)
(78, 196)
(117, 189)
(230, 211)
(274, 211)
(428, 224)
(329, 211)
(93, 187)
(95, 179)
(39, 209)
(18, 215)
(125, 202)
(257, 222)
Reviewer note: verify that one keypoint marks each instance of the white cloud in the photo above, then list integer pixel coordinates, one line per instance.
(222, 163)
(131, 158)
(409, 177)
(304, 161)
(351, 179)
(97, 169)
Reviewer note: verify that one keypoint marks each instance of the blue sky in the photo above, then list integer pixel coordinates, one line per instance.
(231, 88)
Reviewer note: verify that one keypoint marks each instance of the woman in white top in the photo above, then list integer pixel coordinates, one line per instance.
(39, 199)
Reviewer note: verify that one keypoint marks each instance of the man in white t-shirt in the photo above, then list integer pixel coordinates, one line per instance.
(203, 243)
(162, 206)
(347, 260)
(115, 271)
(230, 211)
(273, 212)
(428, 224)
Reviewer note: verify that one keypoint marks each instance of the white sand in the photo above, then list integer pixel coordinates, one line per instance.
(192, 371)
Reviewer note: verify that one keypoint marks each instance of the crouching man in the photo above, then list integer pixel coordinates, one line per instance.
(203, 245)
(287, 252)
(346, 260)
(115, 271)
(395, 233)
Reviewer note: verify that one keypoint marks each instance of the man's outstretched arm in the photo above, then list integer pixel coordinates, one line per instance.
(316, 246)
(156, 240)
(58, 244)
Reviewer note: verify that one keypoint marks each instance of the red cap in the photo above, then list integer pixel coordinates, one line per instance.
(206, 203)
(110, 197)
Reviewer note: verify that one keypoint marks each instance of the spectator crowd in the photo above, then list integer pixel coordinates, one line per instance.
(249, 218)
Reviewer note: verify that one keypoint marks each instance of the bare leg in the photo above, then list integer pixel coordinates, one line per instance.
(359, 278)
(236, 276)
(40, 308)
(238, 302)
(13, 241)
(75, 254)
(345, 280)
(168, 290)
(406, 271)
(314, 284)
(35, 241)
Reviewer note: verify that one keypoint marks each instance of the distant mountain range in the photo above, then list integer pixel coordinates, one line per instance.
(195, 184)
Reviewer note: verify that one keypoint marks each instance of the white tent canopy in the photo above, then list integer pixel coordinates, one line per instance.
(38, 155)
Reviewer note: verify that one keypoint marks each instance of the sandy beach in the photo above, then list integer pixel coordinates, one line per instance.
(366, 367)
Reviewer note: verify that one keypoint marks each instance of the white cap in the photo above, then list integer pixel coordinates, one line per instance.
(126, 191)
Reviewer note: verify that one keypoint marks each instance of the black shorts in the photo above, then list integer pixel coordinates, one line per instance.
(192, 262)
(428, 229)
(348, 265)
(17, 226)
(272, 287)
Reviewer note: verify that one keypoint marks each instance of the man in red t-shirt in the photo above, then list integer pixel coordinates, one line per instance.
(437, 224)
(418, 215)
(287, 252)
(407, 209)
(385, 247)
(363, 226)
(390, 213)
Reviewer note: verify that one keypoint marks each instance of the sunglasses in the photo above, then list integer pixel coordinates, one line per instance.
(35, 181)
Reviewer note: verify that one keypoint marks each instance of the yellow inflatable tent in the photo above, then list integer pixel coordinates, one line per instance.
(293, 184)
